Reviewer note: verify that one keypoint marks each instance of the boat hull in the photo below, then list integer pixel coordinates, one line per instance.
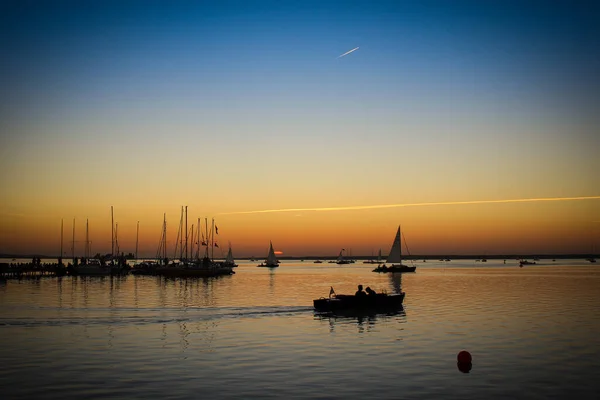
(395, 268)
(268, 265)
(348, 303)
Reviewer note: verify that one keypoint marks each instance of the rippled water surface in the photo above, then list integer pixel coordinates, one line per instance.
(533, 332)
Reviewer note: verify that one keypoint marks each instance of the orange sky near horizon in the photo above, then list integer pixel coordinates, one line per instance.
(497, 228)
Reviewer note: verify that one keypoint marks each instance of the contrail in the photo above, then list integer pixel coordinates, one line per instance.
(447, 203)
(348, 52)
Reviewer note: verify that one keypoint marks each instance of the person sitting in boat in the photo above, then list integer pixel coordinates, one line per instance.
(370, 292)
(359, 292)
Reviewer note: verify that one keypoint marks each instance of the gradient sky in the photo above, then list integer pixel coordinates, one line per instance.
(231, 106)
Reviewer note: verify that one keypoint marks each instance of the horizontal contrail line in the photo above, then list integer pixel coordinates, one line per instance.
(447, 203)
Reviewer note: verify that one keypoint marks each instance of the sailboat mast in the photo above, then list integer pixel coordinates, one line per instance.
(212, 239)
(73, 243)
(206, 229)
(181, 235)
(198, 240)
(86, 252)
(186, 234)
(164, 236)
(61, 241)
(400, 248)
(112, 233)
(137, 238)
(117, 239)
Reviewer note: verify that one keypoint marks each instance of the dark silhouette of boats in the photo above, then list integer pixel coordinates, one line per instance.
(377, 303)
(525, 262)
(193, 267)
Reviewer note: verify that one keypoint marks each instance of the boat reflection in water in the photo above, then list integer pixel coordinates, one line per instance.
(364, 321)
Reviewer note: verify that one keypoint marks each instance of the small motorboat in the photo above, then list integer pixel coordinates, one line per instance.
(377, 303)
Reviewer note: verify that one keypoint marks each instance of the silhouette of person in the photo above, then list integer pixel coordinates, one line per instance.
(370, 292)
(360, 292)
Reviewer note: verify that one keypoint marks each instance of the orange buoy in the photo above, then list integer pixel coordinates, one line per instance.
(464, 357)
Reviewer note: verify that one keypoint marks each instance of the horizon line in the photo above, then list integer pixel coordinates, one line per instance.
(447, 203)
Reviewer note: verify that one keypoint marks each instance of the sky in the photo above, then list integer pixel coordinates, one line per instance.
(232, 107)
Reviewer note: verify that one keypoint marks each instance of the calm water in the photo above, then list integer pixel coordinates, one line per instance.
(534, 332)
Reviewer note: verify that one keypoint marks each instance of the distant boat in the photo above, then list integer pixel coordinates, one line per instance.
(229, 261)
(271, 261)
(525, 262)
(591, 259)
(378, 261)
(318, 262)
(395, 258)
(341, 259)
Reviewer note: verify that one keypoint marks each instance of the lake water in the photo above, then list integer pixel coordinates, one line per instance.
(533, 332)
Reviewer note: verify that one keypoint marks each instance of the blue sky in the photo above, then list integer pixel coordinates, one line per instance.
(454, 100)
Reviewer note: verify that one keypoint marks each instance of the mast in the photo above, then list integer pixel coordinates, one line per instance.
(198, 239)
(73, 243)
(112, 234)
(400, 247)
(181, 235)
(86, 252)
(206, 227)
(137, 238)
(117, 239)
(164, 236)
(186, 234)
(212, 239)
(61, 242)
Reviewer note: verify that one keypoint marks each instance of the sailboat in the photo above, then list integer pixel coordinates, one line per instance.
(229, 261)
(271, 261)
(88, 266)
(341, 259)
(371, 261)
(395, 258)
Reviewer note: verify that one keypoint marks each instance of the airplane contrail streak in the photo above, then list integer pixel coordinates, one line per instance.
(348, 52)
(446, 203)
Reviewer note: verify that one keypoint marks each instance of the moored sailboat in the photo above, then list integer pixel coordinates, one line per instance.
(199, 267)
(395, 258)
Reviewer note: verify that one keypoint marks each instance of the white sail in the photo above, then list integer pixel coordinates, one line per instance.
(229, 258)
(340, 257)
(271, 259)
(395, 255)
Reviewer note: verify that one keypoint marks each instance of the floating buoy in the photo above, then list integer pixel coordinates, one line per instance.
(464, 367)
(464, 357)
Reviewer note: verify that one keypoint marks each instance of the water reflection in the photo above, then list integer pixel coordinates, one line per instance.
(271, 281)
(364, 320)
(396, 282)
(59, 290)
